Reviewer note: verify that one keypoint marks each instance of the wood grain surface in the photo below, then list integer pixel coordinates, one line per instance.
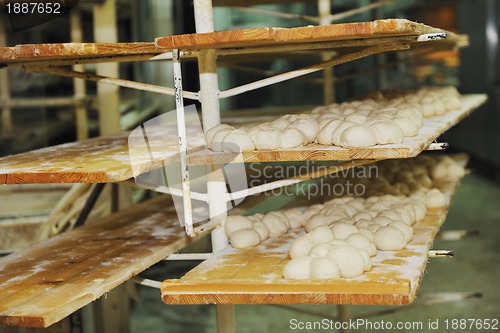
(284, 36)
(107, 159)
(43, 284)
(254, 275)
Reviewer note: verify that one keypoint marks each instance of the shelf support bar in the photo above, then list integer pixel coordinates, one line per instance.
(113, 81)
(384, 47)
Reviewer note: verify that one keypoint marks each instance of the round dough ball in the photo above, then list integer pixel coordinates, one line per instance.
(244, 238)
(315, 221)
(325, 133)
(389, 239)
(358, 136)
(280, 123)
(420, 211)
(382, 220)
(211, 132)
(366, 258)
(237, 222)
(324, 268)
(291, 138)
(363, 215)
(320, 250)
(337, 132)
(359, 241)
(387, 132)
(301, 247)
(266, 138)
(435, 199)
(357, 118)
(294, 216)
(237, 141)
(406, 216)
(343, 230)
(408, 127)
(350, 262)
(307, 126)
(339, 242)
(428, 109)
(256, 217)
(218, 138)
(404, 228)
(367, 233)
(297, 269)
(276, 224)
(321, 234)
(262, 229)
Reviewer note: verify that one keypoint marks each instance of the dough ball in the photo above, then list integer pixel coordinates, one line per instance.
(428, 109)
(324, 268)
(349, 261)
(359, 241)
(343, 230)
(404, 228)
(301, 247)
(389, 239)
(420, 211)
(276, 224)
(291, 138)
(325, 133)
(374, 227)
(280, 123)
(294, 217)
(298, 269)
(366, 258)
(244, 238)
(387, 132)
(435, 199)
(266, 138)
(408, 127)
(382, 220)
(315, 221)
(452, 103)
(367, 233)
(321, 234)
(357, 136)
(256, 217)
(262, 230)
(216, 143)
(362, 216)
(237, 222)
(307, 126)
(339, 242)
(211, 132)
(337, 133)
(237, 141)
(356, 118)
(320, 250)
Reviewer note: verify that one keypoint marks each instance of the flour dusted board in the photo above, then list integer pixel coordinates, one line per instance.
(254, 275)
(43, 284)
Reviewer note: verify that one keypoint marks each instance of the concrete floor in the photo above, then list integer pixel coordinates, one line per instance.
(475, 268)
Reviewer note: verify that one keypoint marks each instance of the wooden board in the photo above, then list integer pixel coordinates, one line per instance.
(286, 36)
(106, 159)
(433, 127)
(254, 275)
(74, 51)
(43, 284)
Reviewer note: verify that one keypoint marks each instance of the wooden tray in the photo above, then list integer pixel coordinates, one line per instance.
(254, 275)
(45, 283)
(106, 159)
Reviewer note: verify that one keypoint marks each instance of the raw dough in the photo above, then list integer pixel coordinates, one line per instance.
(237, 141)
(324, 268)
(350, 262)
(389, 239)
(262, 229)
(298, 269)
(237, 222)
(243, 238)
(357, 136)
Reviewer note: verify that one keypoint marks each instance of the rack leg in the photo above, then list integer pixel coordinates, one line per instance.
(225, 319)
(6, 126)
(343, 316)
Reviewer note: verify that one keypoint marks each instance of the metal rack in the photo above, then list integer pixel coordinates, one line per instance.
(351, 41)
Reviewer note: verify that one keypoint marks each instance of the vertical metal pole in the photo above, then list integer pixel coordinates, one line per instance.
(324, 10)
(210, 107)
(343, 316)
(182, 140)
(216, 184)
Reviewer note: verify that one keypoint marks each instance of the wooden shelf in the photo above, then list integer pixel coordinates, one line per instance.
(257, 37)
(106, 159)
(254, 275)
(45, 283)
(410, 147)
